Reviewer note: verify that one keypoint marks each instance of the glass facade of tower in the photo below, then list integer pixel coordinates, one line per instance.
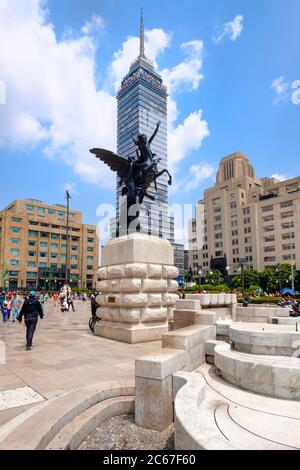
(142, 102)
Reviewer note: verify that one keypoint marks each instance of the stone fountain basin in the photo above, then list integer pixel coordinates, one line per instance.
(276, 376)
(265, 339)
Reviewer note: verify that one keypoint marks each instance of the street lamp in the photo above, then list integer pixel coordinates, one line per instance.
(200, 274)
(279, 277)
(227, 271)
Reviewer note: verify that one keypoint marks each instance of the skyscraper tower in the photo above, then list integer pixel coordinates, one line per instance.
(142, 102)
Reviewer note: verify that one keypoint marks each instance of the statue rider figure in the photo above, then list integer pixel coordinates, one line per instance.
(144, 163)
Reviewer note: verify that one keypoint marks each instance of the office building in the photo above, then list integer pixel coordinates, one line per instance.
(245, 220)
(33, 247)
(142, 102)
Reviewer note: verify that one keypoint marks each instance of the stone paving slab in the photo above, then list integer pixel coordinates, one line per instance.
(21, 396)
(65, 355)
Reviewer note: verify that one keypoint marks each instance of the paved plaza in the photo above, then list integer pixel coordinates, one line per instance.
(65, 356)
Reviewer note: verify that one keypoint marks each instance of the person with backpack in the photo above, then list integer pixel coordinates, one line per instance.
(31, 310)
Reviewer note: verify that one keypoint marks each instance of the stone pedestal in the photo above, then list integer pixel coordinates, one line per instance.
(138, 290)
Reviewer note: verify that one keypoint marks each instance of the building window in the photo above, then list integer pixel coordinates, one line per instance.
(15, 240)
(270, 259)
(90, 258)
(32, 233)
(74, 266)
(89, 267)
(54, 235)
(30, 207)
(15, 251)
(54, 245)
(53, 255)
(269, 239)
(285, 215)
(90, 248)
(74, 248)
(90, 240)
(287, 225)
(268, 228)
(31, 253)
(43, 254)
(43, 244)
(31, 264)
(90, 231)
(268, 249)
(63, 256)
(15, 229)
(288, 236)
(74, 257)
(16, 219)
(51, 211)
(267, 208)
(42, 264)
(41, 210)
(286, 204)
(44, 235)
(14, 262)
(31, 274)
(288, 257)
(289, 246)
(268, 218)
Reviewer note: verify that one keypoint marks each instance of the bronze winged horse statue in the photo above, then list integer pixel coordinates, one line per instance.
(136, 174)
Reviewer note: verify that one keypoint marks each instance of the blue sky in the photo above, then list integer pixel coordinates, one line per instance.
(230, 66)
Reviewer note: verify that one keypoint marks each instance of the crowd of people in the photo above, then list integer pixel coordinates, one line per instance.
(14, 307)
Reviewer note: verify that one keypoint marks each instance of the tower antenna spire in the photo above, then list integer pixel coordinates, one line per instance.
(142, 35)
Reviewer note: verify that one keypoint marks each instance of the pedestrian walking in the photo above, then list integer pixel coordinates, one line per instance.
(31, 310)
(94, 304)
(15, 306)
(70, 302)
(8, 300)
(2, 299)
(5, 312)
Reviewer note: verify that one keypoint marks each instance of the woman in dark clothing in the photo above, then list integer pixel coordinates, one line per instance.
(31, 310)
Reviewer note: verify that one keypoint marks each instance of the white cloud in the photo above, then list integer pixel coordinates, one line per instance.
(71, 188)
(280, 177)
(282, 89)
(52, 99)
(94, 24)
(185, 138)
(188, 71)
(232, 30)
(200, 173)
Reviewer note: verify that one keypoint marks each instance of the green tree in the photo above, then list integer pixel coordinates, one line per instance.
(251, 277)
(236, 282)
(4, 276)
(215, 278)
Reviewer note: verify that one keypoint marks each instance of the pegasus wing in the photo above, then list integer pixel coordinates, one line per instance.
(114, 161)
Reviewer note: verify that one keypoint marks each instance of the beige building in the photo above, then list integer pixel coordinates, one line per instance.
(245, 220)
(33, 247)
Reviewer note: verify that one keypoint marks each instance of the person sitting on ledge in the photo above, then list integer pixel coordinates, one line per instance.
(288, 300)
(246, 300)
